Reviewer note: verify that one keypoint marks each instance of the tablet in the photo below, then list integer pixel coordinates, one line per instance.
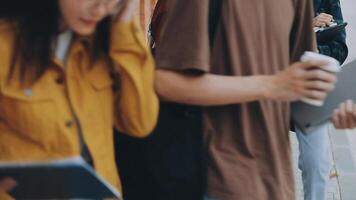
(308, 117)
(328, 33)
(70, 178)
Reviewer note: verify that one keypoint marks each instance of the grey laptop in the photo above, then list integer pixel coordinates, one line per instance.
(308, 117)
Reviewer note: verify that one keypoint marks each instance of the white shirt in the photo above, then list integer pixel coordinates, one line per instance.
(62, 46)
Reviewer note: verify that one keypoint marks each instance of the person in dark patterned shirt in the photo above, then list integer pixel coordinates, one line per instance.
(327, 11)
(314, 159)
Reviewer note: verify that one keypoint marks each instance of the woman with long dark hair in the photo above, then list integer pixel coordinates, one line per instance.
(70, 70)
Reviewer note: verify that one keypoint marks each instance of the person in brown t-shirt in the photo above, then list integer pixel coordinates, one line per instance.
(244, 84)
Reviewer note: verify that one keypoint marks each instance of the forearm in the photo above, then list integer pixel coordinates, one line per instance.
(209, 89)
(137, 104)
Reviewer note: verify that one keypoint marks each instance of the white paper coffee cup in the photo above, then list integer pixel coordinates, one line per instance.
(332, 66)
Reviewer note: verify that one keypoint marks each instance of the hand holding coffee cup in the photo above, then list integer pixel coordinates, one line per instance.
(332, 66)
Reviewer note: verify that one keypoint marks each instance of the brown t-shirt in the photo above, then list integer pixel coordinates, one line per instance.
(248, 144)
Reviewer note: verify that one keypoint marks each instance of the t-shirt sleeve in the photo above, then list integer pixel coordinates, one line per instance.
(302, 37)
(184, 41)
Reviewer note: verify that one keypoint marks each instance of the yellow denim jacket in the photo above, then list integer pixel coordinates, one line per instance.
(43, 122)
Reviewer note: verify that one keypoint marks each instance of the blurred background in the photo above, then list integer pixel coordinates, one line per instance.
(349, 10)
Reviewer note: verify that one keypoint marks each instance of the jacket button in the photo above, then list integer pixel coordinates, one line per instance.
(69, 124)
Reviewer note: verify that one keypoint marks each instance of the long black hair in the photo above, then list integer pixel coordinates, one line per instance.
(36, 25)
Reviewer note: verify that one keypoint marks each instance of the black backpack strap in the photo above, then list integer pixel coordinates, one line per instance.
(214, 18)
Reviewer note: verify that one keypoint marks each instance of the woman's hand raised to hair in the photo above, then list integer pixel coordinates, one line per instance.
(125, 10)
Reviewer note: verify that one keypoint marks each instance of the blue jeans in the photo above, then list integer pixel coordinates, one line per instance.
(314, 162)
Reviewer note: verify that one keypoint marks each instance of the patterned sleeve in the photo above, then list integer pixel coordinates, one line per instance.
(337, 47)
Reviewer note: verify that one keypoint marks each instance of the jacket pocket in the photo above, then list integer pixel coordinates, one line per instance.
(30, 113)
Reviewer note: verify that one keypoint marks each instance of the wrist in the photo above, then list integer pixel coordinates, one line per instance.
(267, 86)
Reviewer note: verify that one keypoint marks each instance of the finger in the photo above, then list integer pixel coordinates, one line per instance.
(335, 119)
(342, 115)
(318, 74)
(120, 7)
(320, 24)
(131, 8)
(326, 15)
(126, 9)
(354, 116)
(325, 21)
(113, 6)
(319, 85)
(354, 112)
(311, 64)
(349, 105)
(314, 94)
